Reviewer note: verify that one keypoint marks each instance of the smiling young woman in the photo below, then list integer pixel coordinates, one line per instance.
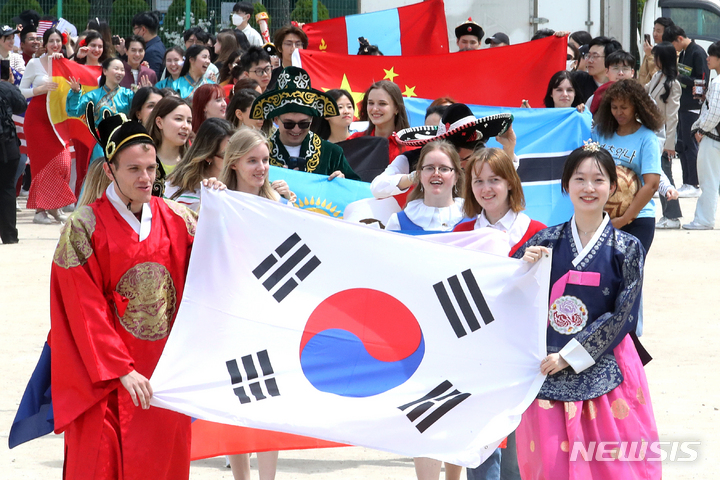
(595, 387)
(436, 204)
(192, 74)
(170, 127)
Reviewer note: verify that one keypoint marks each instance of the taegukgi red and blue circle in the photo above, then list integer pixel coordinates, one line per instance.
(359, 343)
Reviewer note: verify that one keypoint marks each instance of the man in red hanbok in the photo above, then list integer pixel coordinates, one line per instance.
(117, 280)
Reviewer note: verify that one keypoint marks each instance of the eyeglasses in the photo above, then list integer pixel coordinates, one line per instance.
(592, 57)
(296, 163)
(292, 45)
(289, 124)
(430, 169)
(262, 71)
(617, 69)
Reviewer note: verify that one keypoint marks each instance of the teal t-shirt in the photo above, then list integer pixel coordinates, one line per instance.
(639, 152)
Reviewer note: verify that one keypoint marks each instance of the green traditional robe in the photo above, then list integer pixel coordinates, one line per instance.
(320, 155)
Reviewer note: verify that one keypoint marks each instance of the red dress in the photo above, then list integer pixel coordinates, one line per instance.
(113, 303)
(50, 160)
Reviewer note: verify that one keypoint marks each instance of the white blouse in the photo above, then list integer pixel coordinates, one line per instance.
(35, 75)
(513, 224)
(430, 218)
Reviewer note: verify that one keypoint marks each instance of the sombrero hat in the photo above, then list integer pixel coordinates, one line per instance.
(459, 126)
(293, 93)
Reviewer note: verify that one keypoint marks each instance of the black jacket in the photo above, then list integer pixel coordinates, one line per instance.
(695, 58)
(11, 102)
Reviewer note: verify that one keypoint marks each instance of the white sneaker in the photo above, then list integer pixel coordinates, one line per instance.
(24, 193)
(668, 224)
(696, 226)
(57, 215)
(69, 209)
(43, 218)
(689, 191)
(17, 207)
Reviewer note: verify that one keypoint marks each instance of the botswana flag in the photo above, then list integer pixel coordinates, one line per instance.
(545, 137)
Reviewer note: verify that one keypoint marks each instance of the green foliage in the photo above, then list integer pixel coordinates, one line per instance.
(122, 15)
(257, 8)
(76, 12)
(303, 12)
(175, 17)
(15, 7)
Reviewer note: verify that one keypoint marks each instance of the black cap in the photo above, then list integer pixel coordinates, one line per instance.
(499, 37)
(28, 19)
(115, 132)
(469, 28)
(6, 30)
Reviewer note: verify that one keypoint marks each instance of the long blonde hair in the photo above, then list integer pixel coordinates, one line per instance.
(96, 182)
(239, 145)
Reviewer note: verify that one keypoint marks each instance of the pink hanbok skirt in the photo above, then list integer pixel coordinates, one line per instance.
(606, 438)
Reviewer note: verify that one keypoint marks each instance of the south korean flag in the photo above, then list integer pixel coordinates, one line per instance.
(296, 322)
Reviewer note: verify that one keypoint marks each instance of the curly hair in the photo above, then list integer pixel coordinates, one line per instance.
(630, 90)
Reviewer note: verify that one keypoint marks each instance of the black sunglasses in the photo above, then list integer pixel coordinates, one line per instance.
(289, 124)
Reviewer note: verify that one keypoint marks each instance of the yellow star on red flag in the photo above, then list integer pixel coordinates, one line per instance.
(409, 92)
(357, 96)
(390, 74)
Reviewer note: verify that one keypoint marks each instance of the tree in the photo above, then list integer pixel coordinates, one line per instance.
(76, 12)
(13, 8)
(122, 15)
(303, 12)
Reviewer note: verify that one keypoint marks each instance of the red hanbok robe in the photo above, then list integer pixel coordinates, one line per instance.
(113, 303)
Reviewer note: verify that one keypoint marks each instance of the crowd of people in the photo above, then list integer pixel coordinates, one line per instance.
(218, 111)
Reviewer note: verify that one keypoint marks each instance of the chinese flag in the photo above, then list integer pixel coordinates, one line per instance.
(502, 76)
(418, 29)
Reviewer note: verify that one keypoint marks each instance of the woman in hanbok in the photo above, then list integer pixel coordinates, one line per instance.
(50, 188)
(108, 97)
(595, 393)
(170, 127)
(173, 62)
(192, 75)
(436, 203)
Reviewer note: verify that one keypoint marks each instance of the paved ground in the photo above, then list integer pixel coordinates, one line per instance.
(682, 287)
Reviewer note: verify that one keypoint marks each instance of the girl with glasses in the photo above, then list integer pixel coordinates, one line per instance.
(435, 204)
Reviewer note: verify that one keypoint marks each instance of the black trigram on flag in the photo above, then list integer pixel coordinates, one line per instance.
(430, 408)
(458, 293)
(252, 379)
(281, 274)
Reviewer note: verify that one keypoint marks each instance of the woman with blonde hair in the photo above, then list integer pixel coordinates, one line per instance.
(96, 182)
(246, 167)
(204, 159)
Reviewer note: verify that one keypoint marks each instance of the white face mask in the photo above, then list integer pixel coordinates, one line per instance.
(569, 65)
(237, 19)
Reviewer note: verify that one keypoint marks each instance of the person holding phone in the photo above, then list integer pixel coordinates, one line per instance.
(648, 68)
